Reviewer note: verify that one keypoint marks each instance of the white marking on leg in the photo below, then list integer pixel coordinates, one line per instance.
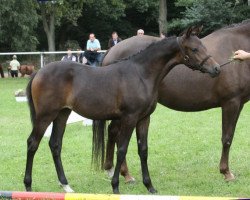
(110, 172)
(66, 188)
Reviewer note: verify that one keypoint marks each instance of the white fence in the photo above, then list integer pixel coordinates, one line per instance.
(41, 54)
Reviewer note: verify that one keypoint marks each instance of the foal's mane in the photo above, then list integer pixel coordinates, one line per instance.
(163, 41)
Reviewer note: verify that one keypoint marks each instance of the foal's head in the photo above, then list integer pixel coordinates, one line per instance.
(194, 53)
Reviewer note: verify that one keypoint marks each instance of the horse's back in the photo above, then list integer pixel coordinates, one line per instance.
(123, 49)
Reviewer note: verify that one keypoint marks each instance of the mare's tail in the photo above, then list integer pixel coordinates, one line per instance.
(98, 142)
(30, 99)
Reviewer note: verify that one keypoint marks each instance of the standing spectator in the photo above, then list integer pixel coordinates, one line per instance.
(69, 56)
(140, 32)
(79, 56)
(114, 40)
(93, 45)
(14, 66)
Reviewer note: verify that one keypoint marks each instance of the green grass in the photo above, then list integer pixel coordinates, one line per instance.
(184, 153)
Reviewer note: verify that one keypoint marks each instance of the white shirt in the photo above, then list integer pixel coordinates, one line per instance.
(14, 64)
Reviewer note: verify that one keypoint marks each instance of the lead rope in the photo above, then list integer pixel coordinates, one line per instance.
(226, 63)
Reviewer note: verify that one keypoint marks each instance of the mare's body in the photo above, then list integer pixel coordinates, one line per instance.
(1, 71)
(185, 90)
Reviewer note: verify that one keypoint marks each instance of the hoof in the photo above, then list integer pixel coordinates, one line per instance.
(66, 188)
(28, 189)
(110, 172)
(129, 179)
(152, 190)
(229, 177)
(116, 191)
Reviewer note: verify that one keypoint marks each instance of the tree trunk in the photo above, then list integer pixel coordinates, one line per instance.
(49, 26)
(162, 16)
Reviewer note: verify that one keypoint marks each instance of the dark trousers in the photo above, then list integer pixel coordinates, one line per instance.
(14, 73)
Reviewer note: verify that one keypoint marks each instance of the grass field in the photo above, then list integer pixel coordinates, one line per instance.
(184, 153)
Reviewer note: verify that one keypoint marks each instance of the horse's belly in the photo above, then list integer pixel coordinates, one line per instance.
(185, 90)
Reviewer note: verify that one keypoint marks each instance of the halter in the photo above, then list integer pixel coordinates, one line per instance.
(186, 58)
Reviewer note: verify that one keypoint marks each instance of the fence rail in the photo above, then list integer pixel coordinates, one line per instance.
(42, 53)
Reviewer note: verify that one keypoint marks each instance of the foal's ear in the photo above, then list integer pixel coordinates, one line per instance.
(193, 30)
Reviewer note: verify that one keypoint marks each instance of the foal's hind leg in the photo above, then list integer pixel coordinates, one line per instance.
(33, 142)
(230, 114)
(113, 133)
(142, 142)
(55, 144)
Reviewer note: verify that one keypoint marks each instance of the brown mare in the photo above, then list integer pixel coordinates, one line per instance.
(26, 70)
(185, 90)
(1, 71)
(124, 91)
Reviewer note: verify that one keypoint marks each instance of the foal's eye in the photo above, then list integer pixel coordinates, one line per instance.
(194, 50)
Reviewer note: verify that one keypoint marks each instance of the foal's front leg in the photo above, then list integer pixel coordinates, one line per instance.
(55, 144)
(142, 142)
(126, 130)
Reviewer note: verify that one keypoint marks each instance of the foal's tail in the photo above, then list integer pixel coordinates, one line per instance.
(30, 99)
(98, 142)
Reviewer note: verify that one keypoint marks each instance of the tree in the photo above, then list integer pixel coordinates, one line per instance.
(53, 12)
(162, 16)
(212, 14)
(18, 21)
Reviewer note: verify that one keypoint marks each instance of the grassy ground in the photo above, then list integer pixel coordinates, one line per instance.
(184, 153)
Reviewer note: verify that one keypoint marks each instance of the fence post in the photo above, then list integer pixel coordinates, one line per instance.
(41, 59)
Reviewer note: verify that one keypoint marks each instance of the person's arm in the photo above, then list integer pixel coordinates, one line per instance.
(98, 45)
(241, 55)
(110, 44)
(88, 47)
(18, 65)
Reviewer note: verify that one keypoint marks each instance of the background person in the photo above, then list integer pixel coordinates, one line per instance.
(241, 55)
(69, 56)
(14, 67)
(140, 32)
(93, 45)
(79, 56)
(114, 40)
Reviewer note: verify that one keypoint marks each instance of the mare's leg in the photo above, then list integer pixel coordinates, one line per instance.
(127, 127)
(55, 144)
(40, 125)
(113, 132)
(230, 114)
(142, 142)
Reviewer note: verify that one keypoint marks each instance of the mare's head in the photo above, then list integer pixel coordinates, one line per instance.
(195, 54)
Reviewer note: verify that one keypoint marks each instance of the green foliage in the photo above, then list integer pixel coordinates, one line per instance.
(18, 20)
(213, 14)
(63, 10)
(142, 5)
(184, 2)
(111, 9)
(73, 44)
